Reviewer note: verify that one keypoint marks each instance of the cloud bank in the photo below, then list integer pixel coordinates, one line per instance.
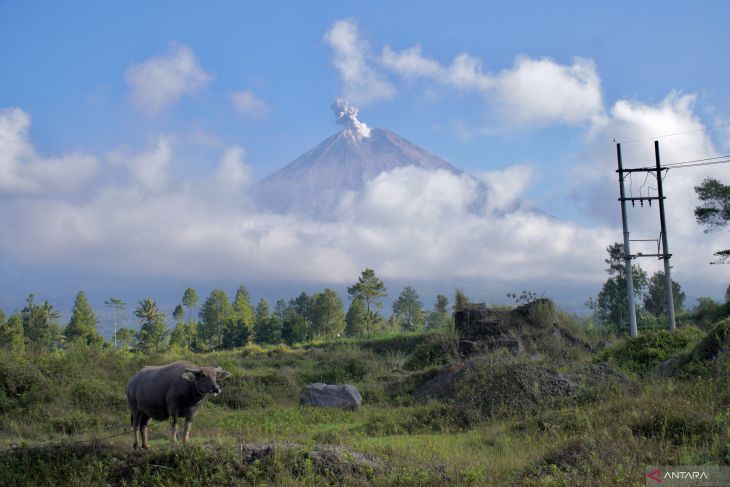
(408, 224)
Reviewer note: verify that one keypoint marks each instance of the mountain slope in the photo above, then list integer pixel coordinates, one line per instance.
(315, 181)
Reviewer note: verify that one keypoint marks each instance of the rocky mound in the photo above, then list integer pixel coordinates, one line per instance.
(489, 388)
(533, 328)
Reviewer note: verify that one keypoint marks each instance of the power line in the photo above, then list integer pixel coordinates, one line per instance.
(682, 165)
(676, 133)
(696, 160)
(699, 164)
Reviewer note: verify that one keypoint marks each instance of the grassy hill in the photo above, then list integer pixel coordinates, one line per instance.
(531, 401)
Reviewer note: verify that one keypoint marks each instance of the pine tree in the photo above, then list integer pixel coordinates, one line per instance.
(267, 328)
(655, 299)
(179, 334)
(356, 319)
(215, 315)
(612, 305)
(328, 314)
(370, 289)
(408, 310)
(190, 300)
(82, 325)
(239, 328)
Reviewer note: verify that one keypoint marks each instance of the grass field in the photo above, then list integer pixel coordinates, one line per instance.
(54, 407)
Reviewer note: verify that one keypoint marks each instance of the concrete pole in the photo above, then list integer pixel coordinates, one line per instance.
(627, 248)
(665, 245)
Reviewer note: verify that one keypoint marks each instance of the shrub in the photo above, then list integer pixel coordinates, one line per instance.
(337, 368)
(438, 349)
(644, 353)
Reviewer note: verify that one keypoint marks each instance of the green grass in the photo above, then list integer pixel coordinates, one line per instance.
(604, 435)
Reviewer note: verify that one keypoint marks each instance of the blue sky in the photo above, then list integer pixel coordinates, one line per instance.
(636, 70)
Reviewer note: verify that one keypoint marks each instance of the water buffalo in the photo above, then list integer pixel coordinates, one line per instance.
(170, 391)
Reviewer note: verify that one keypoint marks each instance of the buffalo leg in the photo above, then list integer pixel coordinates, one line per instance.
(173, 430)
(186, 431)
(135, 428)
(144, 423)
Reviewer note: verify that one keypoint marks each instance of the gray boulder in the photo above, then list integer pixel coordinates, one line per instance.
(342, 396)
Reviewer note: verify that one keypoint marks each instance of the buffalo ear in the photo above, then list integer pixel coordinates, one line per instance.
(188, 376)
(221, 374)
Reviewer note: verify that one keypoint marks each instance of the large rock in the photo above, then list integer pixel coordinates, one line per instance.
(343, 396)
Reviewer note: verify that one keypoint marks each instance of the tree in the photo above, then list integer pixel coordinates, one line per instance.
(297, 322)
(408, 310)
(82, 325)
(11, 333)
(190, 300)
(714, 210)
(460, 300)
(40, 325)
(727, 294)
(117, 306)
(356, 319)
(655, 299)
(152, 335)
(328, 314)
(370, 289)
(179, 334)
(125, 338)
(267, 328)
(612, 303)
(242, 305)
(239, 328)
(215, 315)
(439, 317)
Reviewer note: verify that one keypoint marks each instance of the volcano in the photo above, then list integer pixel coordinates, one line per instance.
(314, 183)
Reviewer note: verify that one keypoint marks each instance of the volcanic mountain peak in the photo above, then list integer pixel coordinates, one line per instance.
(345, 161)
(347, 115)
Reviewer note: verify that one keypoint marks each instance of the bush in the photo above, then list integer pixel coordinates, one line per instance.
(258, 391)
(678, 427)
(439, 349)
(644, 353)
(337, 368)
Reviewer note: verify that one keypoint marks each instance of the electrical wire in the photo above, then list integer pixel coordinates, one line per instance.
(676, 133)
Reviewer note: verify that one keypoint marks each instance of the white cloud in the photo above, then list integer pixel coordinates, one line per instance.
(23, 171)
(506, 186)
(247, 102)
(543, 91)
(408, 224)
(638, 125)
(362, 83)
(233, 174)
(534, 91)
(150, 168)
(163, 80)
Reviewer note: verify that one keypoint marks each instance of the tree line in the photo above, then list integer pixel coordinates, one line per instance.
(220, 323)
